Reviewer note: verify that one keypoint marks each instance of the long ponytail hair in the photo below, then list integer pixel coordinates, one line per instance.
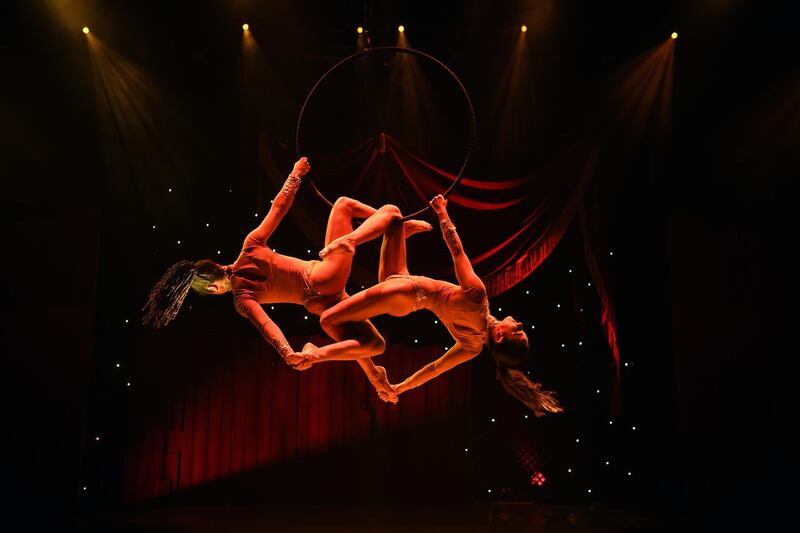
(509, 354)
(529, 393)
(167, 296)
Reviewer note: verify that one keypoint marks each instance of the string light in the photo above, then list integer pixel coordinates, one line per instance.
(359, 30)
(86, 31)
(401, 29)
(245, 26)
(674, 35)
(524, 28)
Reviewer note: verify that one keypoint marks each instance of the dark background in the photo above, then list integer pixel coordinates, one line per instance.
(702, 236)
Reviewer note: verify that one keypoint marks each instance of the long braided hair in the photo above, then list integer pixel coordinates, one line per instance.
(167, 296)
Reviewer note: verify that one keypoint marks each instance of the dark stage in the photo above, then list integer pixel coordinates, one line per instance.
(618, 228)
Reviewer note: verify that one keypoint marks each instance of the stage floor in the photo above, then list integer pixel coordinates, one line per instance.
(496, 517)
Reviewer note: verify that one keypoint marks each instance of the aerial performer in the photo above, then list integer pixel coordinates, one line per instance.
(260, 276)
(463, 309)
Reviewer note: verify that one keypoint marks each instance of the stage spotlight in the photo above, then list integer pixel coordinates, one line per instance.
(401, 29)
(245, 26)
(674, 35)
(524, 28)
(85, 29)
(359, 30)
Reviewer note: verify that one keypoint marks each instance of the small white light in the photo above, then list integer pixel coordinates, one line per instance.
(570, 271)
(629, 473)
(97, 437)
(580, 343)
(532, 326)
(598, 391)
(490, 490)
(272, 307)
(128, 384)
(230, 190)
(435, 321)
(499, 309)
(634, 428)
(305, 317)
(588, 284)
(626, 363)
(610, 422)
(84, 488)
(154, 227)
(308, 251)
(569, 470)
(610, 253)
(362, 286)
(256, 214)
(415, 341)
(117, 365)
(492, 419)
(218, 252)
(526, 416)
(170, 190)
(466, 449)
(206, 224)
(558, 305)
(590, 491)
(563, 345)
(126, 320)
(577, 440)
(606, 463)
(179, 242)
(527, 292)
(271, 201)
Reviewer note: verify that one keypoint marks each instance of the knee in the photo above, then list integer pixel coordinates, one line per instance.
(393, 211)
(375, 345)
(327, 319)
(343, 203)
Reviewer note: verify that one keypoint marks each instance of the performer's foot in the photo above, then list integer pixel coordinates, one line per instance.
(380, 380)
(307, 357)
(412, 227)
(344, 245)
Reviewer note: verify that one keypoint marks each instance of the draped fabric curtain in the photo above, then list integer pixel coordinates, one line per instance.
(509, 224)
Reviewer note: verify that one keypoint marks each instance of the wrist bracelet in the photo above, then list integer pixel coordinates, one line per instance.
(291, 185)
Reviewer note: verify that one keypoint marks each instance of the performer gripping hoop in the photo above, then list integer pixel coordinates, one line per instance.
(259, 275)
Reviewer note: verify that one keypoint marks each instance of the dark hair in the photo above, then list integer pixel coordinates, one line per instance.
(167, 296)
(509, 354)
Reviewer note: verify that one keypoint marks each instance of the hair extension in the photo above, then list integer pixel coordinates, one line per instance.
(167, 296)
(526, 391)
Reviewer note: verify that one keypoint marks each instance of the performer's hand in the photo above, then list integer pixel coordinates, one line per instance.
(298, 361)
(301, 167)
(388, 397)
(439, 204)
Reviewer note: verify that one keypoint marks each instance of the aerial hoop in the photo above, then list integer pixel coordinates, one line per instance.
(473, 133)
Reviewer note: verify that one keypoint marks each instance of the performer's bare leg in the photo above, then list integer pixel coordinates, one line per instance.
(361, 339)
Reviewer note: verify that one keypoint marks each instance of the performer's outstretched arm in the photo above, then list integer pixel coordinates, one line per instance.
(280, 205)
(454, 356)
(268, 329)
(466, 276)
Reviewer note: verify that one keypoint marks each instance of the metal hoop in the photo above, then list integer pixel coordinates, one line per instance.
(472, 121)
